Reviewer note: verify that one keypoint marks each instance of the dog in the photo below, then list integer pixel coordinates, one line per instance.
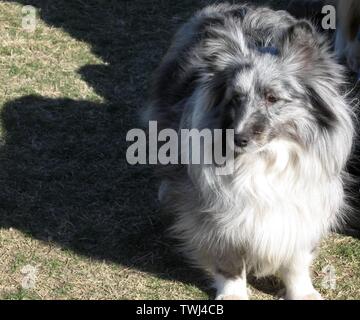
(274, 81)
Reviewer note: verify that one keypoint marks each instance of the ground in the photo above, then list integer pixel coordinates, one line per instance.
(76, 221)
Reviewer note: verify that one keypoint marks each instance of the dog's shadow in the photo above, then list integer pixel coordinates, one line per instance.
(63, 171)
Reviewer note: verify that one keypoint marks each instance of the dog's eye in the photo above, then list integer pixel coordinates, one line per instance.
(270, 98)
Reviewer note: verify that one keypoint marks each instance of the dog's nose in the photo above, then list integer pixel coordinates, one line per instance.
(241, 140)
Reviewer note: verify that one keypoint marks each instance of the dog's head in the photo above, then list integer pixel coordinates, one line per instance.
(289, 92)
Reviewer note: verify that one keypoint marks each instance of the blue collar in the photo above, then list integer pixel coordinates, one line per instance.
(270, 50)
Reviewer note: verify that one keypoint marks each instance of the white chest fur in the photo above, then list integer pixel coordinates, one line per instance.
(277, 202)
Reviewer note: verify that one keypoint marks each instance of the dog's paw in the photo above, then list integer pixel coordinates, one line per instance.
(313, 296)
(231, 297)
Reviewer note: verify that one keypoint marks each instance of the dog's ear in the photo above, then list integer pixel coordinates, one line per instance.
(299, 33)
(299, 46)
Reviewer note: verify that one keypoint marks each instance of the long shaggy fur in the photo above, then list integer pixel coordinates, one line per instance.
(286, 192)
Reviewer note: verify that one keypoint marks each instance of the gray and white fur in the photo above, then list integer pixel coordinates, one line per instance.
(274, 80)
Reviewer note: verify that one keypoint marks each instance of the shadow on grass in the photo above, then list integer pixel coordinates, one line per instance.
(64, 176)
(63, 172)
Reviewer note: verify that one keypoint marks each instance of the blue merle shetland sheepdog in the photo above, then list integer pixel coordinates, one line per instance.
(273, 80)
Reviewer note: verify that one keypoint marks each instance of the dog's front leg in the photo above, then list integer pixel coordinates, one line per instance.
(231, 287)
(297, 279)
